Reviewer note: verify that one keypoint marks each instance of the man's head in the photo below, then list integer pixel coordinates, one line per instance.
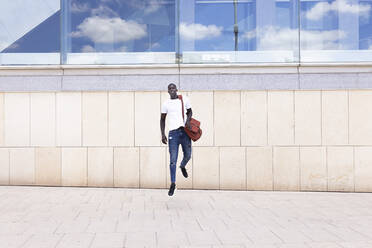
(172, 90)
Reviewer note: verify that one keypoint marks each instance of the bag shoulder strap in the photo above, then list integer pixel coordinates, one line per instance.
(183, 113)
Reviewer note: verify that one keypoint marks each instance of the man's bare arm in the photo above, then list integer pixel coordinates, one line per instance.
(162, 128)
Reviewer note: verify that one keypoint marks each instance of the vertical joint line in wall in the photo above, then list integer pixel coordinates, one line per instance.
(139, 167)
(219, 168)
(113, 167)
(4, 118)
(267, 117)
(354, 167)
(34, 153)
(272, 168)
(161, 142)
(29, 118)
(299, 168)
(134, 118)
(55, 119)
(294, 116)
(240, 116)
(60, 168)
(214, 114)
(192, 172)
(8, 166)
(108, 119)
(321, 117)
(348, 116)
(166, 173)
(87, 166)
(327, 167)
(245, 166)
(81, 118)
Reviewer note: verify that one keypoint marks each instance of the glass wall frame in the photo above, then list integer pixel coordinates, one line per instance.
(336, 31)
(114, 32)
(119, 32)
(30, 32)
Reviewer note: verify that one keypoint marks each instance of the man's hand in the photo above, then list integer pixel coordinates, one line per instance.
(164, 139)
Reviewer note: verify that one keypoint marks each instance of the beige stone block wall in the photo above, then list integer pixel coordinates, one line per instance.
(43, 119)
(252, 140)
(280, 118)
(254, 118)
(48, 168)
(363, 169)
(2, 119)
(17, 119)
(152, 167)
(340, 161)
(313, 166)
(121, 119)
(74, 166)
(227, 118)
(259, 168)
(286, 168)
(308, 118)
(232, 168)
(206, 171)
(95, 119)
(126, 167)
(147, 119)
(100, 166)
(22, 166)
(69, 119)
(4, 166)
(335, 117)
(360, 117)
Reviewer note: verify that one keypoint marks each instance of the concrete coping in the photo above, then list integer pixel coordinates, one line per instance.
(246, 68)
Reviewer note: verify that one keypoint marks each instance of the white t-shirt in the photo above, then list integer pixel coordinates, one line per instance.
(173, 109)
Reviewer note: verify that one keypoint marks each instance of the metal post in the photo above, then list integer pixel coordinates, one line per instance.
(236, 29)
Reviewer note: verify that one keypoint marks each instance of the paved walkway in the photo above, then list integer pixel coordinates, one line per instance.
(109, 218)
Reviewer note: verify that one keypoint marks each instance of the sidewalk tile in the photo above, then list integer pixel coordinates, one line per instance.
(43, 241)
(81, 240)
(112, 240)
(140, 239)
(171, 238)
(203, 238)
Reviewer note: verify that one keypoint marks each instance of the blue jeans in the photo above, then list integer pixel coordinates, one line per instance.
(178, 137)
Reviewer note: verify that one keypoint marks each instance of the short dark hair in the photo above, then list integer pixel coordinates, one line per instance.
(172, 84)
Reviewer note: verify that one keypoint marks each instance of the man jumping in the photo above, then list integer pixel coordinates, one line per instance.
(177, 136)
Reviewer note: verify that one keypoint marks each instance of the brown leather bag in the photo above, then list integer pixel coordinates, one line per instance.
(194, 132)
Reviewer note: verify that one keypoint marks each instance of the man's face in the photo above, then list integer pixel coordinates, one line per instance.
(172, 90)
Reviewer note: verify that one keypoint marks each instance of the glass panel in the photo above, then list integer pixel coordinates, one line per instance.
(119, 32)
(336, 30)
(239, 31)
(29, 32)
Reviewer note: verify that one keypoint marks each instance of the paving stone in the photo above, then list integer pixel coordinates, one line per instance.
(171, 238)
(106, 217)
(140, 239)
(203, 238)
(43, 241)
(80, 240)
(112, 240)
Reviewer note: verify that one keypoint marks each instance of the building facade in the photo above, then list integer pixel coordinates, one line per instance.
(282, 89)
